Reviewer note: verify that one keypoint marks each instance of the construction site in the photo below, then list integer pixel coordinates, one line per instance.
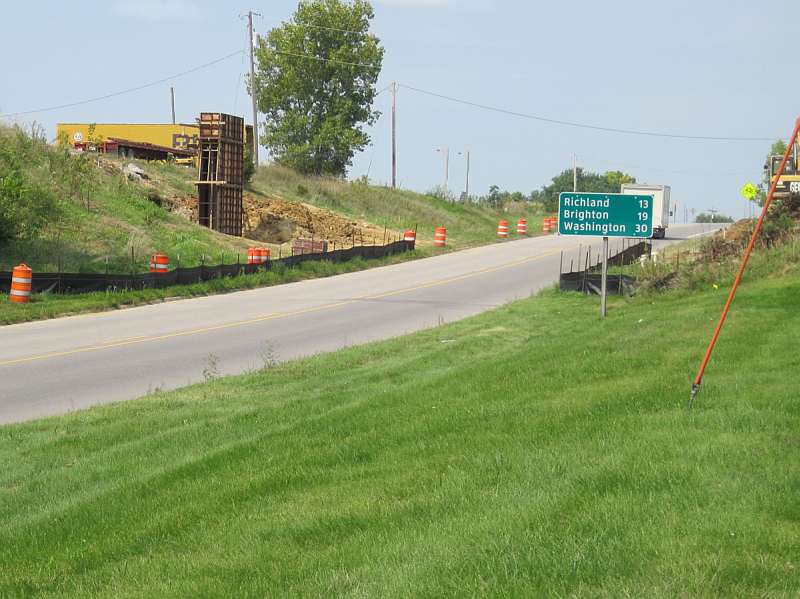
(210, 188)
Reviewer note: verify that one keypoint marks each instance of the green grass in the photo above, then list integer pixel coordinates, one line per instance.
(119, 228)
(53, 305)
(467, 223)
(531, 451)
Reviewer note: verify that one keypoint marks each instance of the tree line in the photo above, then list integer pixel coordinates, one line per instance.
(547, 195)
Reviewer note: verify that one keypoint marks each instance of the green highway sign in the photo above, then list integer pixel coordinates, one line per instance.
(605, 214)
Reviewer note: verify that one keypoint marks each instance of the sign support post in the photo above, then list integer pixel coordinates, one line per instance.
(606, 215)
(604, 283)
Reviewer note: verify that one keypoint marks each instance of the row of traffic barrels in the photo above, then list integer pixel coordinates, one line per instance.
(440, 233)
(159, 262)
(439, 237)
(550, 224)
(503, 227)
(22, 275)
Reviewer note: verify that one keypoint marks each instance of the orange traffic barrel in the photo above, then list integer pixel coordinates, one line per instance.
(554, 224)
(502, 229)
(522, 227)
(546, 225)
(263, 255)
(252, 256)
(21, 284)
(159, 263)
(440, 237)
(410, 235)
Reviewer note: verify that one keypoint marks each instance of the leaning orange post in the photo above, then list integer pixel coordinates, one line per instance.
(749, 250)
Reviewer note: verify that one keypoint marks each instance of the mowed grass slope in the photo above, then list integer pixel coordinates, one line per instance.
(531, 451)
(467, 223)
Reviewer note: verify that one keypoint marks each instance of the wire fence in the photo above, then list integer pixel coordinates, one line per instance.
(60, 282)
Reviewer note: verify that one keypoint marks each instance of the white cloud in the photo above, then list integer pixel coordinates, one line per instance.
(156, 10)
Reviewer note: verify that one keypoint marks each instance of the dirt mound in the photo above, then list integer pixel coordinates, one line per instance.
(276, 220)
(269, 219)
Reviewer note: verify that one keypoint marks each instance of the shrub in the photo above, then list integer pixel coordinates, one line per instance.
(25, 202)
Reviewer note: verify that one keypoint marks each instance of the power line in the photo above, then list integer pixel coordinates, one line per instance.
(584, 125)
(124, 91)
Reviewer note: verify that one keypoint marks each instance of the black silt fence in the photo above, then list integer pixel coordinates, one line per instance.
(586, 276)
(49, 282)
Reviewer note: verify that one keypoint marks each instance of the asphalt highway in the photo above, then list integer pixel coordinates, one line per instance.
(54, 366)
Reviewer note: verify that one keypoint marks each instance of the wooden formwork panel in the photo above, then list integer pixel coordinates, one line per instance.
(227, 215)
(221, 126)
(221, 174)
(229, 168)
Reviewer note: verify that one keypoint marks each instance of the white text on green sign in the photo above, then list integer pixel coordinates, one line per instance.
(605, 214)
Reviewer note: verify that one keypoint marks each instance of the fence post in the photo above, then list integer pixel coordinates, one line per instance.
(585, 270)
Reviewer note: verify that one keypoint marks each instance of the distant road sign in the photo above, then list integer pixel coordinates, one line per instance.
(605, 214)
(749, 191)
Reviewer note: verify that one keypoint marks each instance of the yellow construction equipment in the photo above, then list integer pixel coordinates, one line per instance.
(183, 137)
(789, 183)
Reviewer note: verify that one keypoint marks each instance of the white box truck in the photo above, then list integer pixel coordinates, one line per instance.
(661, 205)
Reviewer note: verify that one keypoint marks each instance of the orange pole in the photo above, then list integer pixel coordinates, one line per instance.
(701, 371)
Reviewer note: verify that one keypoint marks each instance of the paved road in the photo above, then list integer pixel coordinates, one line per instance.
(54, 366)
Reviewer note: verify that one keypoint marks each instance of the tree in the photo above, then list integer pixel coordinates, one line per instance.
(495, 197)
(778, 148)
(704, 217)
(315, 82)
(609, 182)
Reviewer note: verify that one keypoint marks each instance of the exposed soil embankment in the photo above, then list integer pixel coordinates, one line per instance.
(267, 218)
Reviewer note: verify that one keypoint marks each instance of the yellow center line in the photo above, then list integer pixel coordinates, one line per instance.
(273, 315)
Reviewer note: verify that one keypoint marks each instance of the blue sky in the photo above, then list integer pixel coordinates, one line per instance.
(717, 68)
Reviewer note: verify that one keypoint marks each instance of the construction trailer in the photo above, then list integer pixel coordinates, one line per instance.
(157, 140)
(126, 148)
(220, 175)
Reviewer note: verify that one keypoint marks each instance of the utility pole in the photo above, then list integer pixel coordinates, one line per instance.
(466, 191)
(446, 171)
(466, 188)
(253, 86)
(172, 96)
(574, 173)
(446, 152)
(394, 134)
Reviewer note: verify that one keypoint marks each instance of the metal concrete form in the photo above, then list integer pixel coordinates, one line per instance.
(220, 174)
